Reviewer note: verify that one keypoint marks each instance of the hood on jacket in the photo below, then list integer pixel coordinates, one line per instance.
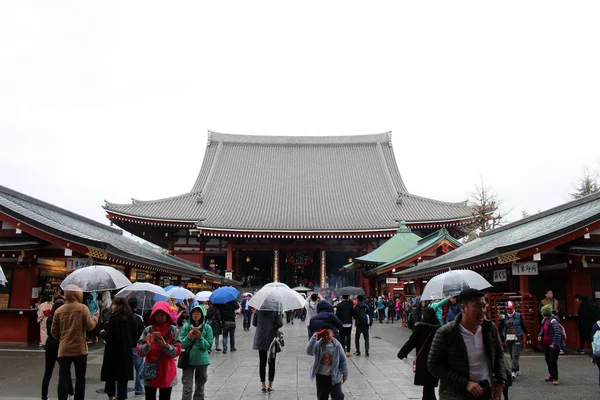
(73, 293)
(94, 296)
(196, 305)
(324, 306)
(164, 307)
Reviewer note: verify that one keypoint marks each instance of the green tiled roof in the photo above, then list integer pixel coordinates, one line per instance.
(399, 244)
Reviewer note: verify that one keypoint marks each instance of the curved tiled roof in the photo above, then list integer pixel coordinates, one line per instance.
(519, 235)
(283, 183)
(64, 223)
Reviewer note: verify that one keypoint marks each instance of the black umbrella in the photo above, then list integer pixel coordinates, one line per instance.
(351, 291)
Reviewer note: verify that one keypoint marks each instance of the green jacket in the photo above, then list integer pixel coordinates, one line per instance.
(197, 348)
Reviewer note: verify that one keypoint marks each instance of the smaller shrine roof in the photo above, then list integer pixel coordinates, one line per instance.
(78, 229)
(400, 243)
(520, 235)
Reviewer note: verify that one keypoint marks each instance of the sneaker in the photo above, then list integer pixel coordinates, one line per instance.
(548, 379)
(348, 354)
(367, 354)
(357, 353)
(514, 375)
(555, 382)
(580, 352)
(217, 349)
(518, 373)
(562, 352)
(224, 351)
(233, 349)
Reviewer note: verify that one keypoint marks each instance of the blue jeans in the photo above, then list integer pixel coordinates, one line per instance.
(231, 334)
(137, 363)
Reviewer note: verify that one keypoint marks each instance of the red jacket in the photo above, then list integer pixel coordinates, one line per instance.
(166, 373)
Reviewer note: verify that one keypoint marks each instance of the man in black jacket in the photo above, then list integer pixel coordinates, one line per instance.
(466, 354)
(344, 313)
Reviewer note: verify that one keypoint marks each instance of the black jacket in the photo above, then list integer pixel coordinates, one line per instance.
(51, 343)
(421, 338)
(213, 318)
(228, 310)
(120, 337)
(325, 318)
(344, 311)
(587, 315)
(448, 359)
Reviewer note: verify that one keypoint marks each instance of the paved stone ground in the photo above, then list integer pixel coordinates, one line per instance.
(235, 375)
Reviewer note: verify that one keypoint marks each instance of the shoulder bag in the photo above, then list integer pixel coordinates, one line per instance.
(415, 360)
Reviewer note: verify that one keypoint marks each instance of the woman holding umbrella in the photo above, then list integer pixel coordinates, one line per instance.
(267, 323)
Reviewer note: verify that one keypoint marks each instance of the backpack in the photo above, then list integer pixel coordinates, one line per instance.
(596, 342)
(365, 316)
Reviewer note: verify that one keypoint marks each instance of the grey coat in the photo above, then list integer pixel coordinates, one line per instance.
(266, 323)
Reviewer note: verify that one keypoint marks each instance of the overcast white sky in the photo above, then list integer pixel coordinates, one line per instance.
(113, 100)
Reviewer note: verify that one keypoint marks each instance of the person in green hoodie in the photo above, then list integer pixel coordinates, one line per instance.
(196, 339)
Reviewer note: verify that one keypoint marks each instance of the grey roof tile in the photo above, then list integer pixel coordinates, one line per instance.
(522, 234)
(279, 183)
(61, 221)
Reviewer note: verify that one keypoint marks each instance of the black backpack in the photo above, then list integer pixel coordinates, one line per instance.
(364, 316)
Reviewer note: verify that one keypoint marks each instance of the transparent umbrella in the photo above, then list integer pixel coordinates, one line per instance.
(96, 278)
(180, 293)
(276, 298)
(146, 294)
(203, 296)
(3, 280)
(451, 283)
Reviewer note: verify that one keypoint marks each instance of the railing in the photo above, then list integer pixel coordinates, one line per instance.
(526, 305)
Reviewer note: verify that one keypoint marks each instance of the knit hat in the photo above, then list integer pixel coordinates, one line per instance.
(547, 310)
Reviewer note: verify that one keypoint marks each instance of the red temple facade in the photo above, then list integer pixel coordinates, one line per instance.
(291, 209)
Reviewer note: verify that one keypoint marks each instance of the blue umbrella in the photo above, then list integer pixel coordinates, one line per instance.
(224, 295)
(416, 300)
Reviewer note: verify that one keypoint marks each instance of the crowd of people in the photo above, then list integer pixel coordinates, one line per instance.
(457, 347)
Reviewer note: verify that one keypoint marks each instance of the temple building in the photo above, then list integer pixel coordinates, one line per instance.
(291, 209)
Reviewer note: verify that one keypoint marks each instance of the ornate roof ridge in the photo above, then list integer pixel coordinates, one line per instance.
(234, 138)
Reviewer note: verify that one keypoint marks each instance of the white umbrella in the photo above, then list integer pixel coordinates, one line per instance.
(146, 293)
(203, 296)
(451, 283)
(96, 278)
(247, 294)
(276, 284)
(180, 293)
(276, 298)
(301, 289)
(3, 280)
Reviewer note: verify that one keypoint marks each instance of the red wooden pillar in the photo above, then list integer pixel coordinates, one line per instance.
(229, 266)
(418, 287)
(237, 263)
(323, 270)
(523, 284)
(276, 266)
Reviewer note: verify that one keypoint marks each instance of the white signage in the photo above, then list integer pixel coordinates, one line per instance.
(500, 275)
(525, 268)
(229, 274)
(391, 280)
(76, 263)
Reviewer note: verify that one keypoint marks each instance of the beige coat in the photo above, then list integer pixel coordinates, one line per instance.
(71, 321)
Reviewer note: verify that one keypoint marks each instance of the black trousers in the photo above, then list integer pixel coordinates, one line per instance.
(551, 356)
(51, 357)
(346, 335)
(262, 367)
(121, 389)
(429, 393)
(247, 317)
(364, 330)
(381, 314)
(64, 376)
(164, 393)
(325, 388)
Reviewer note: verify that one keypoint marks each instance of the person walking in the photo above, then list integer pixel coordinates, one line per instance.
(267, 323)
(363, 317)
(69, 326)
(421, 339)
(43, 312)
(344, 312)
(466, 354)
(51, 351)
(397, 307)
(311, 310)
(380, 309)
(512, 330)
(138, 388)
(196, 341)
(228, 321)
(160, 345)
(247, 312)
(213, 317)
(587, 315)
(120, 337)
(329, 367)
(551, 336)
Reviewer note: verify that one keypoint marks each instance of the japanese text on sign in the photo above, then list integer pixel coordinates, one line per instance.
(500, 275)
(391, 280)
(527, 268)
(76, 263)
